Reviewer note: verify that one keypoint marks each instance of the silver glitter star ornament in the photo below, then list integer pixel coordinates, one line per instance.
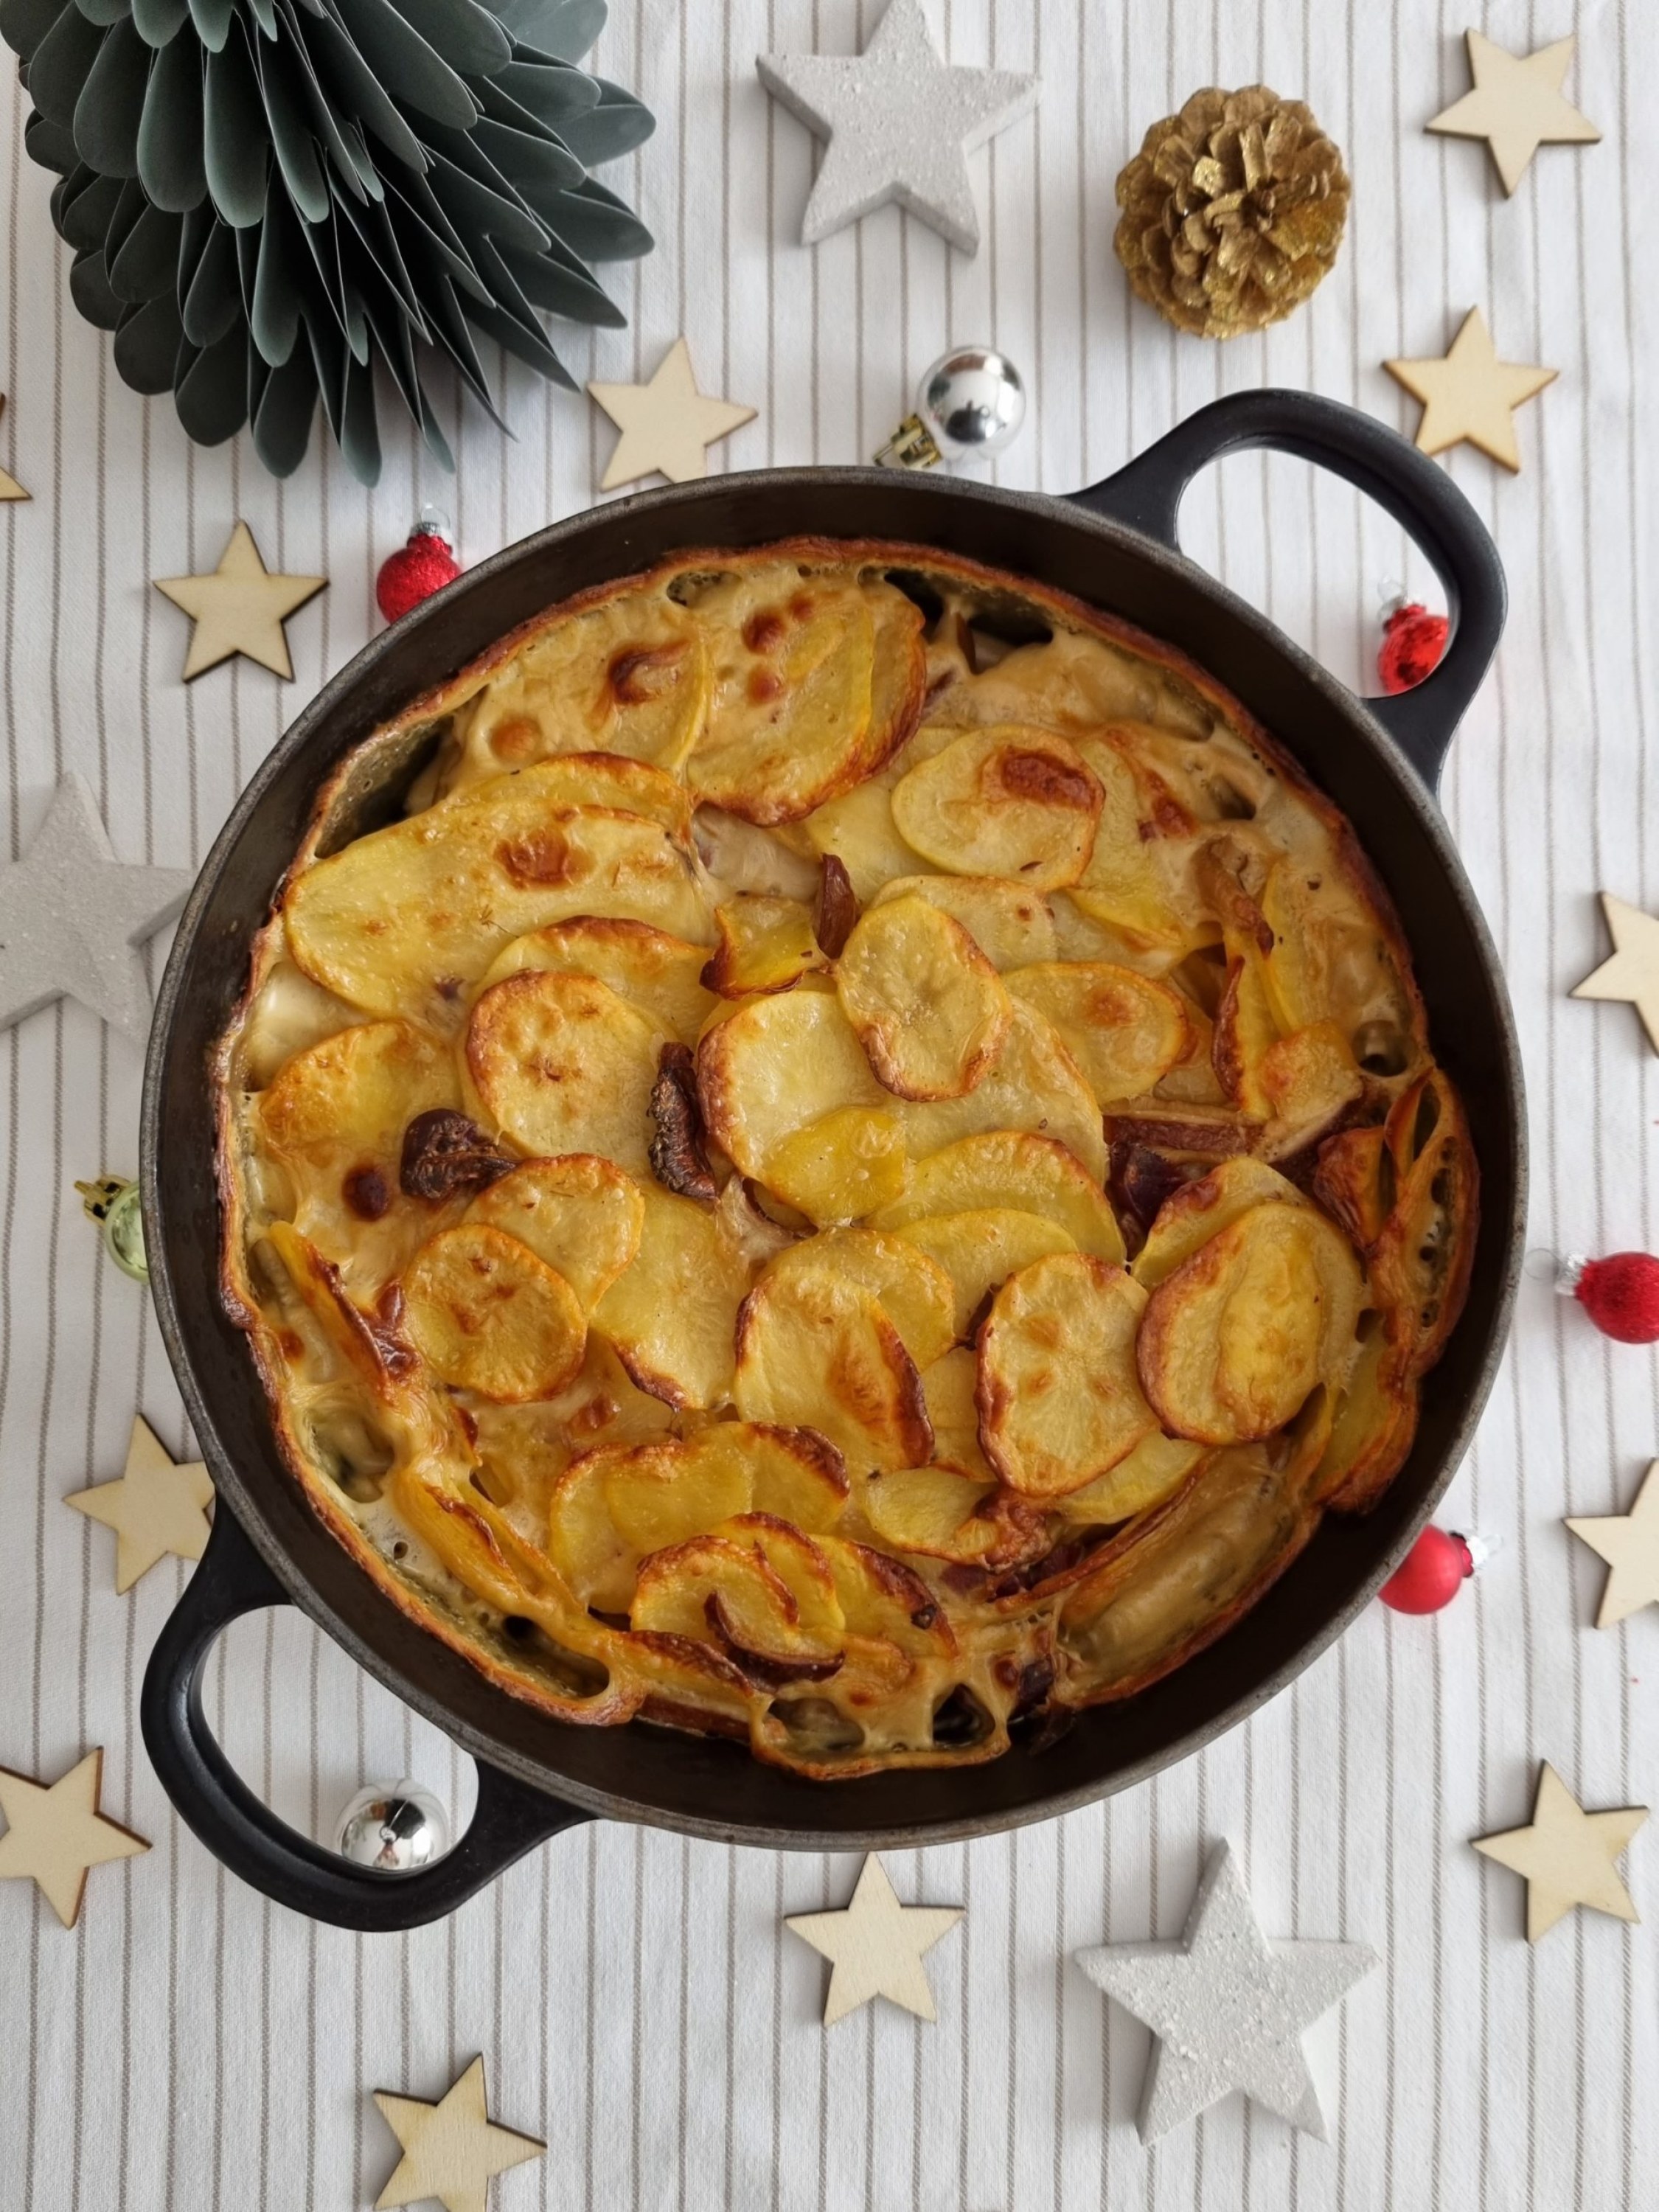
(899, 123)
(72, 916)
(1227, 2007)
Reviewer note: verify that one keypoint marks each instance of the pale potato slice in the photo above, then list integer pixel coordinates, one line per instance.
(840, 1167)
(631, 677)
(1245, 1031)
(1124, 1030)
(776, 1065)
(1013, 927)
(723, 1591)
(950, 1387)
(925, 1001)
(933, 1511)
(760, 944)
(400, 921)
(1190, 1216)
(915, 1293)
(1006, 1169)
(1130, 881)
(486, 1315)
(898, 682)
(1060, 1402)
(1238, 1337)
(289, 1013)
(560, 1064)
(858, 830)
(524, 1450)
(980, 1248)
(795, 1474)
(614, 784)
(1153, 1471)
(815, 1351)
(596, 1562)
(1009, 800)
(579, 1213)
(1033, 1084)
(659, 973)
(672, 1314)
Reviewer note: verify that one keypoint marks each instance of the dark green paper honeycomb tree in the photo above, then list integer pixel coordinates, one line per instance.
(271, 200)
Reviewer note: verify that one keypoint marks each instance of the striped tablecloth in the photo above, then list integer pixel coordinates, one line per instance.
(189, 2046)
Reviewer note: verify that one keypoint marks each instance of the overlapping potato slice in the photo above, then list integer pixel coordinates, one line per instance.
(1373, 1423)
(816, 1351)
(898, 682)
(1246, 1032)
(1012, 925)
(1153, 1471)
(659, 973)
(560, 1064)
(950, 1387)
(1032, 1085)
(1198, 1210)
(1009, 800)
(884, 1601)
(1124, 1030)
(762, 943)
(524, 1450)
(1005, 1169)
(726, 1590)
(671, 1315)
(399, 921)
(858, 830)
(631, 677)
(579, 1213)
(776, 1065)
(1423, 1256)
(1236, 1339)
(841, 1166)
(1132, 881)
(486, 1315)
(1309, 1079)
(933, 1511)
(915, 1292)
(1059, 1402)
(616, 785)
(980, 1248)
(926, 1003)
(1330, 961)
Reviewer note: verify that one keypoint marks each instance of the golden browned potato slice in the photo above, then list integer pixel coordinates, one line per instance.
(672, 1314)
(841, 1166)
(593, 1558)
(724, 1590)
(561, 1063)
(1013, 927)
(799, 1564)
(659, 973)
(858, 830)
(899, 683)
(1153, 1471)
(915, 1292)
(1009, 800)
(399, 921)
(486, 1315)
(1033, 1084)
(579, 1213)
(631, 678)
(885, 1601)
(1329, 960)
(616, 785)
(1237, 1338)
(522, 1450)
(1245, 1031)
(933, 1511)
(817, 1351)
(950, 1387)
(789, 715)
(1124, 1030)
(1004, 1169)
(1060, 1403)
(1129, 883)
(980, 1249)
(1421, 1260)
(762, 945)
(1310, 1079)
(925, 1001)
(1190, 1216)
(776, 1065)
(795, 1474)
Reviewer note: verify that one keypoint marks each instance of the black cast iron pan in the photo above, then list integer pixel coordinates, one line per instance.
(1115, 546)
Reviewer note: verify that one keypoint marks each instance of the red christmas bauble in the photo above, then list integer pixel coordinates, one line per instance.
(414, 571)
(1435, 1570)
(1414, 643)
(1620, 1294)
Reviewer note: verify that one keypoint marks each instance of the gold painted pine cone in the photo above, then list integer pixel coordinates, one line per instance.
(1233, 211)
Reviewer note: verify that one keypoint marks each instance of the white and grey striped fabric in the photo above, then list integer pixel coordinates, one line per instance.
(189, 2046)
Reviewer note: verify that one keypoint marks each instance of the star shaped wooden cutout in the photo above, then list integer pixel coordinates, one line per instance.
(1629, 1542)
(240, 607)
(452, 2149)
(55, 1832)
(1632, 976)
(1566, 1855)
(9, 487)
(667, 425)
(157, 1509)
(1469, 393)
(875, 1947)
(1516, 106)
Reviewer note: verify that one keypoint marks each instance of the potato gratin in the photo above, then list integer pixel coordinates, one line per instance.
(856, 1169)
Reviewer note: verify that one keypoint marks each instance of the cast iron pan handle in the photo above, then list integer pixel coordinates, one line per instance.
(231, 1580)
(1146, 495)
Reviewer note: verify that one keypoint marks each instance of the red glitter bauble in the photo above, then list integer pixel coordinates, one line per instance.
(1413, 642)
(1620, 1294)
(1435, 1570)
(414, 572)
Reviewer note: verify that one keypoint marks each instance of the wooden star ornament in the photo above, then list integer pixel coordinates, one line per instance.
(1632, 976)
(667, 425)
(55, 1833)
(451, 2149)
(1629, 1542)
(1566, 1856)
(239, 607)
(875, 1947)
(157, 1509)
(1516, 106)
(1469, 395)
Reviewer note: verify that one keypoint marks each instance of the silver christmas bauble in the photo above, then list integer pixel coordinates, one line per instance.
(394, 1826)
(969, 405)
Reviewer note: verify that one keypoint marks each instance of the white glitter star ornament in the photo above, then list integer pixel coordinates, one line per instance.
(72, 916)
(1228, 2007)
(899, 123)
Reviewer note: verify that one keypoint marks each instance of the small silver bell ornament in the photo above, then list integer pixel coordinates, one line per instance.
(969, 405)
(394, 1826)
